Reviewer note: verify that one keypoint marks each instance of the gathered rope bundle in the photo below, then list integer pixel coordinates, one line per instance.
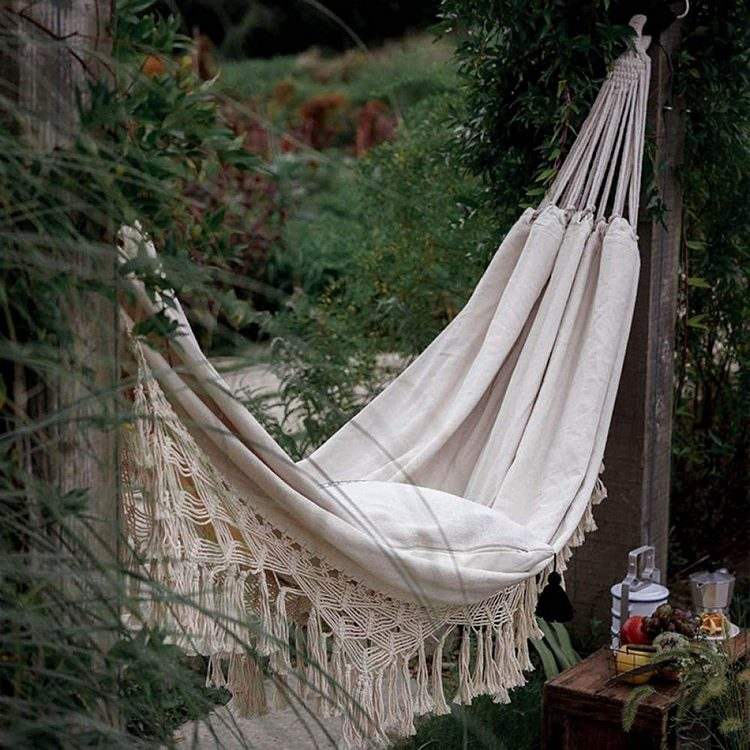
(440, 509)
(608, 152)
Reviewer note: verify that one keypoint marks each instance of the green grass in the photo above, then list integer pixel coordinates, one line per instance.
(246, 79)
(401, 73)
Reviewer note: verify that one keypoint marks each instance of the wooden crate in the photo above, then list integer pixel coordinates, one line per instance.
(580, 713)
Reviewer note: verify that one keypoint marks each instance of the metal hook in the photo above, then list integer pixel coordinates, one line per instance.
(686, 11)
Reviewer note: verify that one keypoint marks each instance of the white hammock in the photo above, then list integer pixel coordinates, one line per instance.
(444, 503)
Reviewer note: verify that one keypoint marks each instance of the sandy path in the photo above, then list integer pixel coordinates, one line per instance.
(277, 730)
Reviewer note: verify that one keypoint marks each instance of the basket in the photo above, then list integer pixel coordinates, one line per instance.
(631, 665)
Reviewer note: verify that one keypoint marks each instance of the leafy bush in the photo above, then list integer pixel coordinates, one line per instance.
(711, 443)
(161, 688)
(530, 72)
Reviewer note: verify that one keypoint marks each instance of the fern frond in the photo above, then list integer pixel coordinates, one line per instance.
(630, 709)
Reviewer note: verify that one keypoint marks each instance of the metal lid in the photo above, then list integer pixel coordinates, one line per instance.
(718, 576)
(651, 592)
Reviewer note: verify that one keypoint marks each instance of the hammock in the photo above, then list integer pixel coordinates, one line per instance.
(438, 511)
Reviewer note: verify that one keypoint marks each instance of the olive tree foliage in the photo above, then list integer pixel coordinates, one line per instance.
(530, 71)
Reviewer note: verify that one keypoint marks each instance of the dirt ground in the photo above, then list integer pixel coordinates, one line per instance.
(287, 729)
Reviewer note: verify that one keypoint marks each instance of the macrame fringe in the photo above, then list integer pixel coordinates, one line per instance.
(335, 657)
(312, 662)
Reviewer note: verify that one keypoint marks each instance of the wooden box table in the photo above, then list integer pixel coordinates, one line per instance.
(580, 713)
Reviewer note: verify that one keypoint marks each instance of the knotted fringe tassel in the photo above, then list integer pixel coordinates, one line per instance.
(438, 695)
(317, 662)
(506, 675)
(280, 661)
(245, 682)
(477, 680)
(266, 639)
(391, 678)
(356, 718)
(378, 704)
(423, 702)
(339, 688)
(396, 682)
(215, 673)
(491, 673)
(365, 716)
(464, 693)
(525, 624)
(406, 727)
(506, 657)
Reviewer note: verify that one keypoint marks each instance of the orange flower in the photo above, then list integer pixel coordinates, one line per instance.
(153, 66)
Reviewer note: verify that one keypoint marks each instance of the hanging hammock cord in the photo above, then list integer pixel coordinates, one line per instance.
(610, 144)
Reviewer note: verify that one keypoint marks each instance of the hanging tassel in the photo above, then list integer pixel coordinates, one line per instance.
(554, 604)
(215, 673)
(407, 728)
(423, 702)
(280, 661)
(351, 734)
(503, 668)
(378, 703)
(266, 645)
(317, 660)
(245, 683)
(491, 673)
(512, 673)
(477, 681)
(339, 681)
(361, 705)
(463, 694)
(392, 694)
(438, 694)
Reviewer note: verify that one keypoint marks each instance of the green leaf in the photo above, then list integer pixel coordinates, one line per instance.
(551, 640)
(697, 322)
(159, 325)
(563, 638)
(549, 664)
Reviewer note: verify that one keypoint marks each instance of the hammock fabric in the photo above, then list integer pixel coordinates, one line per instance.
(444, 504)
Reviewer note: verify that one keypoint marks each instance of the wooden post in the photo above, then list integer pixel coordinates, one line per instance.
(59, 46)
(638, 453)
(53, 50)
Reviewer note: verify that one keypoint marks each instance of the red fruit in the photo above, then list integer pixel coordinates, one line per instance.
(634, 632)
